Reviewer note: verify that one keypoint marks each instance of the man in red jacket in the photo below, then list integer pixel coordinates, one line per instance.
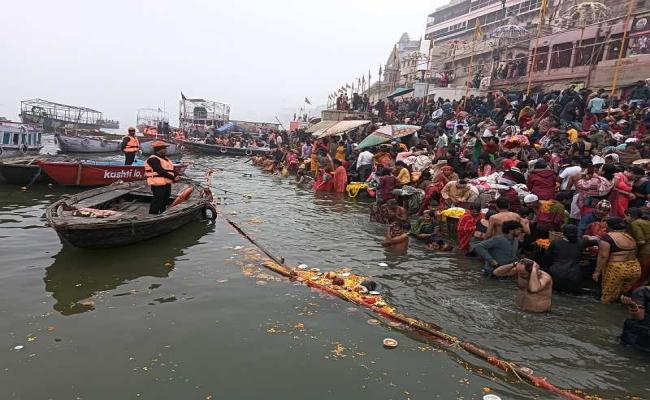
(541, 181)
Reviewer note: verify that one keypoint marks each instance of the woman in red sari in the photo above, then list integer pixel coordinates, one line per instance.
(467, 226)
(445, 175)
(621, 193)
(324, 181)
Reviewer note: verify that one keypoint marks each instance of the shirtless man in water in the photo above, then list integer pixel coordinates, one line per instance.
(397, 238)
(496, 221)
(535, 286)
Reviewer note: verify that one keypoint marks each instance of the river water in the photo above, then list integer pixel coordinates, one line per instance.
(191, 316)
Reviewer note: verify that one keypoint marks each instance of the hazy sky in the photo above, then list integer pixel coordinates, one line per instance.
(259, 56)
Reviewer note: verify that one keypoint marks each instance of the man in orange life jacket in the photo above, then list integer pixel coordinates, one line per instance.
(130, 146)
(160, 176)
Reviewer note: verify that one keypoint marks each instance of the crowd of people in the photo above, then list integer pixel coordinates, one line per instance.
(552, 189)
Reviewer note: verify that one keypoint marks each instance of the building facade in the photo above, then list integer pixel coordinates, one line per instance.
(579, 42)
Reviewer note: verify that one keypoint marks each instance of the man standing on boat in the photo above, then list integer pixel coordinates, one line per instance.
(160, 176)
(130, 146)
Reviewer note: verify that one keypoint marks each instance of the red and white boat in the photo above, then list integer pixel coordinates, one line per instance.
(96, 173)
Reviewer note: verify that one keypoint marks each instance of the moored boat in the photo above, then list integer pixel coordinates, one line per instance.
(224, 150)
(172, 147)
(22, 171)
(97, 173)
(86, 144)
(118, 215)
(18, 139)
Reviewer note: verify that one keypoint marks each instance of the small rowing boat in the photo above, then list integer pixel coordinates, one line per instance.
(118, 215)
(86, 144)
(172, 148)
(224, 150)
(22, 171)
(96, 173)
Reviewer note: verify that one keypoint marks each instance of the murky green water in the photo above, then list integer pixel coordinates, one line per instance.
(176, 317)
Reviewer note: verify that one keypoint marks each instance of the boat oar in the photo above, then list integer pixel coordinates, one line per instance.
(259, 246)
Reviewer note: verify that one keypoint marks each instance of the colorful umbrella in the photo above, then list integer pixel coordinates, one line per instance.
(387, 133)
(373, 140)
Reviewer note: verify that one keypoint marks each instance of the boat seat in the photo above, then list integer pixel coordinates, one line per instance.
(94, 201)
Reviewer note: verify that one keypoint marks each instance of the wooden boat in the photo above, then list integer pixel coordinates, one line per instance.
(172, 148)
(86, 144)
(223, 150)
(22, 171)
(18, 139)
(97, 173)
(118, 215)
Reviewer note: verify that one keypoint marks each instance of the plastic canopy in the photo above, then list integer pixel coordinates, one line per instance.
(228, 126)
(340, 128)
(320, 125)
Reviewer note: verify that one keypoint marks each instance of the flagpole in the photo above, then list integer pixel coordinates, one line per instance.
(542, 14)
(630, 5)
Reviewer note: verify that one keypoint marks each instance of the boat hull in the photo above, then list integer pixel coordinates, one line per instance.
(222, 150)
(96, 174)
(17, 174)
(96, 233)
(172, 149)
(86, 144)
(125, 234)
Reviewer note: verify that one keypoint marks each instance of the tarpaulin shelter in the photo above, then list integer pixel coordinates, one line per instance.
(340, 128)
(227, 127)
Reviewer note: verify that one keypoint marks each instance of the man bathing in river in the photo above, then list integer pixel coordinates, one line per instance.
(504, 214)
(397, 238)
(535, 286)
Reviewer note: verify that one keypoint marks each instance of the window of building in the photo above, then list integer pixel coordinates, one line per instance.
(6, 138)
(541, 59)
(586, 52)
(561, 55)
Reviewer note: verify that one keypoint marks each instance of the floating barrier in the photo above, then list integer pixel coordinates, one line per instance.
(347, 286)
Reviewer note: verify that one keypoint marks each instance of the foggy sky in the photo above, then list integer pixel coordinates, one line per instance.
(260, 57)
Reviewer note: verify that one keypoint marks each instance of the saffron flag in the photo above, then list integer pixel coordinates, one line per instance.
(478, 32)
(543, 9)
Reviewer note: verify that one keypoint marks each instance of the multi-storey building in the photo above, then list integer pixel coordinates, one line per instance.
(579, 42)
(402, 63)
(452, 29)
(587, 54)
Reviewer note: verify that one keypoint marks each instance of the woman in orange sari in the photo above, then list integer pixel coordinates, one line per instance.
(340, 179)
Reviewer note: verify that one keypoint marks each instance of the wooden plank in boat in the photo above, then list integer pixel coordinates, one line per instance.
(101, 198)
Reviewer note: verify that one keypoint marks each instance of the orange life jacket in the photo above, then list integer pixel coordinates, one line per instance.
(133, 145)
(153, 179)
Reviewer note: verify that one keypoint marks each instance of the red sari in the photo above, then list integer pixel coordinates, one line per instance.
(340, 180)
(620, 202)
(324, 182)
(465, 229)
